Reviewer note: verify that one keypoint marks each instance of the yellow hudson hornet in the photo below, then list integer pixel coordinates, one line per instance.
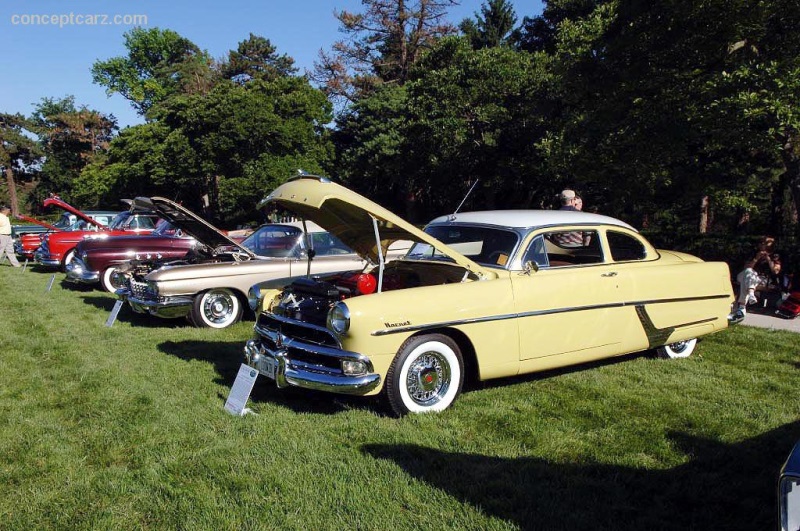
(479, 294)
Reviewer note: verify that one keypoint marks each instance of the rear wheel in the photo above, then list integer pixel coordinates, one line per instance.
(680, 349)
(425, 376)
(110, 281)
(216, 308)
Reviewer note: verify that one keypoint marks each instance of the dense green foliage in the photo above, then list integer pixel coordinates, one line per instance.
(678, 117)
(124, 428)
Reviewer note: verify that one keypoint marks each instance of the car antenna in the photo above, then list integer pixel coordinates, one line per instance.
(466, 196)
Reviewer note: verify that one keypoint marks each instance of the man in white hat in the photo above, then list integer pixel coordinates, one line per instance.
(567, 200)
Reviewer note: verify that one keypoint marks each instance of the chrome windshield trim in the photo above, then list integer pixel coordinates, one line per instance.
(535, 313)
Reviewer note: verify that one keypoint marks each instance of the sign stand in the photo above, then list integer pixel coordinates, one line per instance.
(240, 392)
(114, 312)
(24, 266)
(50, 284)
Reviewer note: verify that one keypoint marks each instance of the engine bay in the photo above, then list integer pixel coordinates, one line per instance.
(309, 299)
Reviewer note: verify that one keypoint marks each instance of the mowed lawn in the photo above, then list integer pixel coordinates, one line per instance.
(124, 428)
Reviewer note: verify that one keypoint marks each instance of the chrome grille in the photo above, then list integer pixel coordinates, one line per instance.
(139, 289)
(292, 329)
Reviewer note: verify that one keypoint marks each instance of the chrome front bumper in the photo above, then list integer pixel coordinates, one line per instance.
(78, 272)
(168, 308)
(279, 365)
(45, 259)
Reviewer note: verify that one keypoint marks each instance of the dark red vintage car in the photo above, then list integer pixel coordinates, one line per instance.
(58, 248)
(98, 258)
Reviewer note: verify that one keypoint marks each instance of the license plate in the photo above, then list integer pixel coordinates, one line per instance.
(269, 367)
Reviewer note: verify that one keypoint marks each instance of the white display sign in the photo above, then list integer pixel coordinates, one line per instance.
(240, 392)
(114, 312)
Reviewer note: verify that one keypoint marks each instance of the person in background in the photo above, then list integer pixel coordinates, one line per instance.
(757, 272)
(567, 198)
(578, 203)
(6, 242)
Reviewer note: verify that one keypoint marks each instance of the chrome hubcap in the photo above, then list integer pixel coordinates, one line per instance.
(428, 378)
(678, 347)
(218, 307)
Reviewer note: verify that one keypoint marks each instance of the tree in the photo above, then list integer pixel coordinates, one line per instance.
(17, 153)
(71, 138)
(159, 63)
(256, 58)
(492, 27)
(464, 114)
(384, 42)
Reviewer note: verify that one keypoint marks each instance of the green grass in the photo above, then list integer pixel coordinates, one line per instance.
(124, 428)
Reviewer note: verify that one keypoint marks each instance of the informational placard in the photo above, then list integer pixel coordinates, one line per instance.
(50, 284)
(114, 313)
(240, 392)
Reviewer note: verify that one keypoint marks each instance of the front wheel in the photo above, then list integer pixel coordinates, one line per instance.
(67, 259)
(425, 376)
(110, 281)
(216, 308)
(680, 349)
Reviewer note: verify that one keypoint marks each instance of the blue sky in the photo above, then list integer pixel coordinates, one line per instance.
(55, 60)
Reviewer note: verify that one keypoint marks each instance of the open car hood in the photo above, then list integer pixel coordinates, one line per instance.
(188, 222)
(54, 201)
(349, 216)
(38, 222)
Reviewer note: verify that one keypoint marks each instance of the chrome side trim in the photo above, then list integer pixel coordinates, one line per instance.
(535, 313)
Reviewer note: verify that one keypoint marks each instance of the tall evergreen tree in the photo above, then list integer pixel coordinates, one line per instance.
(492, 27)
(383, 43)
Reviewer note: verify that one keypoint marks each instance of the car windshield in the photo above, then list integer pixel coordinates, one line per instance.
(63, 222)
(119, 221)
(165, 228)
(488, 246)
(286, 240)
(274, 241)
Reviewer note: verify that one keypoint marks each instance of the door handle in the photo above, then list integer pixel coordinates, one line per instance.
(611, 274)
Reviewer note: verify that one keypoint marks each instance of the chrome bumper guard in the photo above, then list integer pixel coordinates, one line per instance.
(279, 365)
(170, 308)
(45, 260)
(78, 272)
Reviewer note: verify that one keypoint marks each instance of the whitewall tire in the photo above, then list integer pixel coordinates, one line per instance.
(426, 375)
(216, 308)
(680, 349)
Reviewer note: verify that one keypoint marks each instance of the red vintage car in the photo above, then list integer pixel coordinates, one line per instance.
(58, 248)
(28, 242)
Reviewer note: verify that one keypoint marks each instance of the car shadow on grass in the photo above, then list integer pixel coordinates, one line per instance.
(721, 486)
(126, 315)
(472, 385)
(227, 357)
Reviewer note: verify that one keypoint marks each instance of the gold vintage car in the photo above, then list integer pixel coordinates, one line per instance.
(481, 294)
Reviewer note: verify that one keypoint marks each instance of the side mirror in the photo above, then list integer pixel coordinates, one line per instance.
(530, 267)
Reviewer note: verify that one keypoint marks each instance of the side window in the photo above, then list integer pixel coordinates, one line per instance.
(625, 247)
(536, 253)
(570, 248)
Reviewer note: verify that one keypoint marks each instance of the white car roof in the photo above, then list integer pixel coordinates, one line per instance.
(524, 219)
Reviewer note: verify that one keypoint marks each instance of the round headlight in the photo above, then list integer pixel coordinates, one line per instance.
(339, 318)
